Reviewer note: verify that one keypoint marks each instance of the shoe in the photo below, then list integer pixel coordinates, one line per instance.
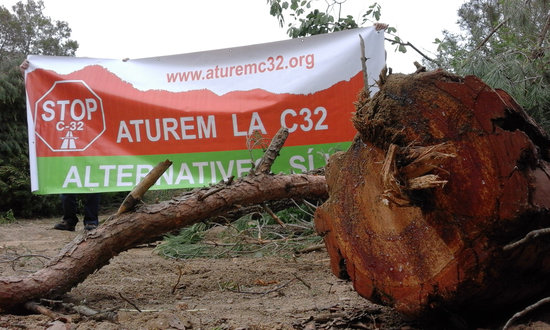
(64, 225)
(90, 226)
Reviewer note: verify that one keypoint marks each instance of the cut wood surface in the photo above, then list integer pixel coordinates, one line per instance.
(443, 173)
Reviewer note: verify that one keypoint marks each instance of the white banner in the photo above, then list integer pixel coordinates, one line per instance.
(101, 124)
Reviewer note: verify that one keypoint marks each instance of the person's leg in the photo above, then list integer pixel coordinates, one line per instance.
(91, 210)
(68, 201)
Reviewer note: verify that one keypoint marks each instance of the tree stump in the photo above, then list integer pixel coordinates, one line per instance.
(443, 175)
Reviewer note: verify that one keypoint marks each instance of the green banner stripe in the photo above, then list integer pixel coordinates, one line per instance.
(122, 173)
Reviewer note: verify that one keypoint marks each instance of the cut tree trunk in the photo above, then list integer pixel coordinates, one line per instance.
(92, 250)
(442, 176)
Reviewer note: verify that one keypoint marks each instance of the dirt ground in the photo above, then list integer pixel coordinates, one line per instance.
(237, 293)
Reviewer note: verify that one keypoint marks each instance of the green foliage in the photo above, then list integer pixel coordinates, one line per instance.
(23, 31)
(307, 20)
(297, 215)
(317, 22)
(506, 43)
(15, 192)
(7, 217)
(255, 234)
(28, 31)
(185, 245)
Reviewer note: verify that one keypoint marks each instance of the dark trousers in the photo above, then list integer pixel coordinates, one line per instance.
(70, 208)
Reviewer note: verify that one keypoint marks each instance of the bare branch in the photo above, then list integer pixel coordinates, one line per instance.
(544, 32)
(137, 193)
(364, 64)
(264, 166)
(531, 235)
(129, 301)
(273, 215)
(490, 35)
(413, 47)
(525, 311)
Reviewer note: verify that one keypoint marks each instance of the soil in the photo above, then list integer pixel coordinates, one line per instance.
(236, 293)
(297, 292)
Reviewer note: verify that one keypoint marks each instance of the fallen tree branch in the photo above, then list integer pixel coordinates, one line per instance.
(525, 311)
(90, 251)
(129, 301)
(311, 249)
(108, 315)
(302, 280)
(530, 236)
(39, 309)
(239, 211)
(263, 293)
(273, 215)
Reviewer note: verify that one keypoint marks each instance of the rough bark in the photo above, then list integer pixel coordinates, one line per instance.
(443, 174)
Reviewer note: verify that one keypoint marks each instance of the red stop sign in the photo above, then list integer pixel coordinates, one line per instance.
(69, 116)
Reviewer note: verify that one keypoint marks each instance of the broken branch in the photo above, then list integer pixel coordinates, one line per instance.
(530, 236)
(264, 166)
(137, 193)
(525, 311)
